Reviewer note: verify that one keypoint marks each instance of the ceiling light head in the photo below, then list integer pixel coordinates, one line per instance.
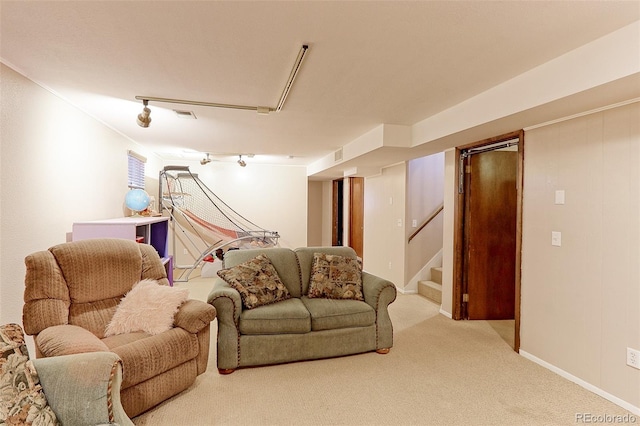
(241, 161)
(144, 118)
(205, 160)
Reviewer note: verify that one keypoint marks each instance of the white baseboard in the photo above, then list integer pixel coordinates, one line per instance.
(588, 386)
(445, 313)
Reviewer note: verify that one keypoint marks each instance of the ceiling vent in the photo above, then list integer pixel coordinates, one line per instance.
(337, 156)
(185, 114)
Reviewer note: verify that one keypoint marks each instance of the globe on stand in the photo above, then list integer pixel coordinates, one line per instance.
(137, 200)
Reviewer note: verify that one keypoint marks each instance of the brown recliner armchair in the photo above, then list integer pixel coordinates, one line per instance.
(71, 293)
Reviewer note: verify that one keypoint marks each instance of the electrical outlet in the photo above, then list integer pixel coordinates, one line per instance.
(633, 358)
(185, 251)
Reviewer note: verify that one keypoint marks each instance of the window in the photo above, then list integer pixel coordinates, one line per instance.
(136, 170)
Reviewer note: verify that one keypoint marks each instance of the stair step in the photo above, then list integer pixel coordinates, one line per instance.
(431, 290)
(436, 275)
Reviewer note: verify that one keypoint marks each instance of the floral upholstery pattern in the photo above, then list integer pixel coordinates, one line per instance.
(335, 277)
(257, 281)
(22, 401)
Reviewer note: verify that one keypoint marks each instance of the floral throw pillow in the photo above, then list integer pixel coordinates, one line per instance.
(257, 281)
(335, 277)
(23, 401)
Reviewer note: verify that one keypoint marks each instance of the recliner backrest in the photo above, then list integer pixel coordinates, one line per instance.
(82, 282)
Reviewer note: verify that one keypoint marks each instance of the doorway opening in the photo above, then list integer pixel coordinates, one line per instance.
(337, 230)
(488, 232)
(348, 213)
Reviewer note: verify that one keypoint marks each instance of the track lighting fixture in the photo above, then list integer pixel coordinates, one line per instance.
(292, 76)
(241, 161)
(205, 160)
(143, 118)
(258, 109)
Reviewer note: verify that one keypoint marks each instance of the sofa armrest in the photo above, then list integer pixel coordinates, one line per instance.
(194, 315)
(226, 300)
(83, 389)
(379, 293)
(228, 306)
(68, 339)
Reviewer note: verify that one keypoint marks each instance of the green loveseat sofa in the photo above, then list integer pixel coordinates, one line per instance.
(299, 328)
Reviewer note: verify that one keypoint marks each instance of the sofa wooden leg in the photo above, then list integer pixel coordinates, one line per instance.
(383, 351)
(226, 370)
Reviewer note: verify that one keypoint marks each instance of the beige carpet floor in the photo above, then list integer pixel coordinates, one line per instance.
(439, 372)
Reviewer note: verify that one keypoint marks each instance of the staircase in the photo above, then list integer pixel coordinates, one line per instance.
(432, 290)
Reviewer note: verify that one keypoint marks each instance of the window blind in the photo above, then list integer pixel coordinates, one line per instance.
(136, 164)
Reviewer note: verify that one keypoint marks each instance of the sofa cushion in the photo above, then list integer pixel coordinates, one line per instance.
(329, 314)
(148, 307)
(289, 316)
(93, 316)
(145, 356)
(257, 281)
(335, 277)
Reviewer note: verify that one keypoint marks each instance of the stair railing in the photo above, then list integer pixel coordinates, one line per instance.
(426, 222)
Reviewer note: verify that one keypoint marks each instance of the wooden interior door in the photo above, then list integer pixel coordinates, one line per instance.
(490, 235)
(356, 214)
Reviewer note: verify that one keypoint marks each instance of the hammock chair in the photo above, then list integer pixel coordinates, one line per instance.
(204, 221)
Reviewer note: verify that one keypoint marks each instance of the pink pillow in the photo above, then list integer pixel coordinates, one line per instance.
(148, 307)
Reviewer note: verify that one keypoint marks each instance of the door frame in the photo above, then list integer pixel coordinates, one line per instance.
(458, 230)
(356, 215)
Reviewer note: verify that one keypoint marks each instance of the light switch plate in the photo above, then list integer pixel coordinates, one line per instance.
(633, 358)
(560, 196)
(556, 238)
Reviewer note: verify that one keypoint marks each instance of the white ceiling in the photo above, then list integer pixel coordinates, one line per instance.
(368, 63)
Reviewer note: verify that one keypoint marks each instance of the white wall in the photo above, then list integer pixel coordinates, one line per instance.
(384, 240)
(327, 213)
(272, 197)
(314, 214)
(58, 166)
(448, 243)
(581, 302)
